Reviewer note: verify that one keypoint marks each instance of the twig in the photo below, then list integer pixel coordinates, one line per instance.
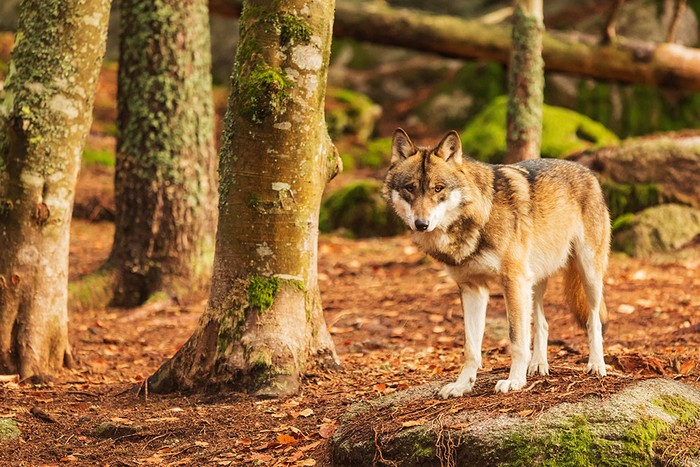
(610, 34)
(675, 22)
(378, 451)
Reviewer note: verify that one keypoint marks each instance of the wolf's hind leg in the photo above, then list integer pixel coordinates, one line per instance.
(518, 295)
(474, 301)
(592, 281)
(538, 364)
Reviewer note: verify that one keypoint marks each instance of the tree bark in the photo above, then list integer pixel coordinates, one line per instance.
(662, 65)
(45, 116)
(525, 84)
(263, 324)
(165, 173)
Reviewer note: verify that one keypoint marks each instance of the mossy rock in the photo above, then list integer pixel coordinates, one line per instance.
(116, 430)
(376, 154)
(631, 428)
(9, 430)
(623, 199)
(659, 229)
(360, 210)
(351, 113)
(563, 132)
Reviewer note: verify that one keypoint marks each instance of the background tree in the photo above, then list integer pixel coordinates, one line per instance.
(525, 83)
(165, 173)
(263, 324)
(44, 118)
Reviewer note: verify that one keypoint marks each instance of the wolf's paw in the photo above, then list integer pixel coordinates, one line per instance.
(456, 389)
(596, 369)
(506, 385)
(538, 368)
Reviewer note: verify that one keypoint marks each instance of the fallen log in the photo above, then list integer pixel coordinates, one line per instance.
(661, 65)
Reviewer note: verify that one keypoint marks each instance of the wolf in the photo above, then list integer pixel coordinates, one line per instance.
(517, 224)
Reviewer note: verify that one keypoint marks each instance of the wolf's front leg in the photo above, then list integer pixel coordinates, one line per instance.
(474, 301)
(518, 295)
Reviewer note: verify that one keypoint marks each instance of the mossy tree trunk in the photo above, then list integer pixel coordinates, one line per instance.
(263, 324)
(45, 115)
(166, 166)
(525, 83)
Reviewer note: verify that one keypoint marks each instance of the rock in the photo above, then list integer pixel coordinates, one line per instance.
(563, 132)
(622, 430)
(360, 209)
(658, 229)
(114, 430)
(669, 161)
(375, 154)
(351, 113)
(9, 430)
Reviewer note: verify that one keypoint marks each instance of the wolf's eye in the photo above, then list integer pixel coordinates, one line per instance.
(409, 188)
(439, 188)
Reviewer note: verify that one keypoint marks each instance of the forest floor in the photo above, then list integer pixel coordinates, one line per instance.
(396, 321)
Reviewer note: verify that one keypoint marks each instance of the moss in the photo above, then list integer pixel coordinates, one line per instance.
(362, 56)
(624, 198)
(359, 209)
(375, 155)
(351, 113)
(99, 156)
(563, 132)
(683, 411)
(263, 92)
(231, 325)
(422, 453)
(577, 446)
(262, 292)
(93, 291)
(8, 429)
(623, 222)
(293, 30)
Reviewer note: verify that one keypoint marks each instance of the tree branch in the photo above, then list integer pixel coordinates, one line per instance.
(662, 65)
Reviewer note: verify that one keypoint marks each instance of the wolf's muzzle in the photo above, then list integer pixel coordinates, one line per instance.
(422, 224)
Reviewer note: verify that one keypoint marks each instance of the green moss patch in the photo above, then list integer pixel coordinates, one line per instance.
(262, 292)
(350, 113)
(563, 132)
(359, 209)
(293, 30)
(8, 429)
(263, 92)
(376, 154)
(625, 198)
(93, 291)
(99, 156)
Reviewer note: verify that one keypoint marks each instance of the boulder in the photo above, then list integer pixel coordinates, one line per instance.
(563, 132)
(351, 113)
(668, 161)
(659, 229)
(632, 427)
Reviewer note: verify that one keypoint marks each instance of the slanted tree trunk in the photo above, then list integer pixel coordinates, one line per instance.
(263, 324)
(525, 83)
(165, 174)
(629, 61)
(45, 115)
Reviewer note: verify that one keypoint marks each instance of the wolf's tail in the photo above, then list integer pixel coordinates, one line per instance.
(576, 297)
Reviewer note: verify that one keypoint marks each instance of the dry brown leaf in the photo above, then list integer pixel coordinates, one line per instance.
(410, 423)
(307, 462)
(306, 413)
(380, 387)
(525, 413)
(285, 439)
(326, 430)
(687, 367)
(311, 447)
(69, 458)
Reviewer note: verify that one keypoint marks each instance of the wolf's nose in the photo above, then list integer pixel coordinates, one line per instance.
(422, 224)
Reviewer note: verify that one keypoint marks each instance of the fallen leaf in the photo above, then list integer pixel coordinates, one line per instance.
(525, 413)
(70, 458)
(202, 444)
(687, 367)
(380, 387)
(306, 413)
(311, 447)
(438, 329)
(307, 462)
(285, 439)
(625, 309)
(436, 318)
(326, 430)
(419, 422)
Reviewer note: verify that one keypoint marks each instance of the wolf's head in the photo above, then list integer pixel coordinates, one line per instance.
(424, 186)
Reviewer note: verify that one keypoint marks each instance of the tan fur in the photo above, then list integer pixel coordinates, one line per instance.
(517, 224)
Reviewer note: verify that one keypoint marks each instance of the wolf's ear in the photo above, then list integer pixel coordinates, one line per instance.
(401, 146)
(450, 148)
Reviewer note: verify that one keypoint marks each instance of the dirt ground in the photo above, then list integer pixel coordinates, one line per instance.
(395, 318)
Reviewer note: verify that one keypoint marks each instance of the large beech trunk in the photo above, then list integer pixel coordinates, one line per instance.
(663, 65)
(525, 83)
(165, 176)
(45, 116)
(263, 324)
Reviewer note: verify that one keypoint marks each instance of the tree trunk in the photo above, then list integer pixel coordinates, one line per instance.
(662, 65)
(45, 116)
(525, 84)
(263, 324)
(165, 173)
